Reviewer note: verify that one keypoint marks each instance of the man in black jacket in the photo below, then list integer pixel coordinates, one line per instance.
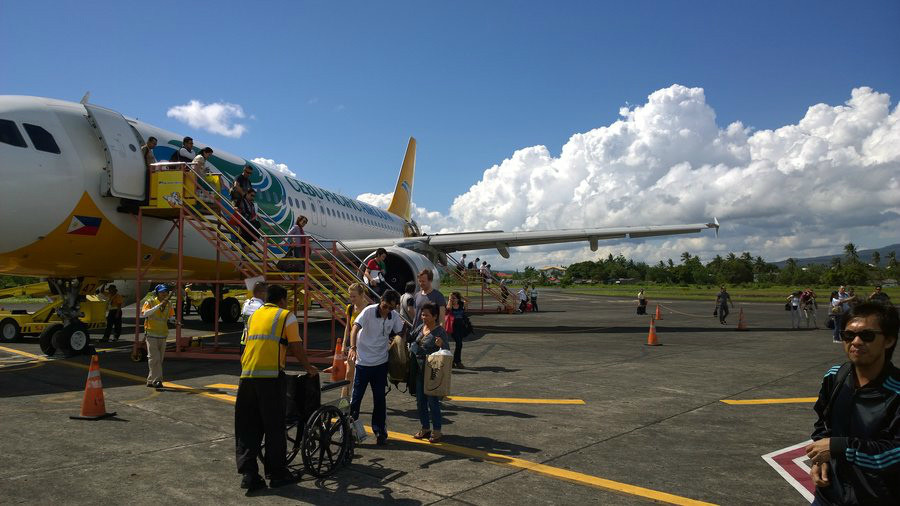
(856, 450)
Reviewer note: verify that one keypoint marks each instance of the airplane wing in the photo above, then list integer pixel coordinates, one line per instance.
(502, 241)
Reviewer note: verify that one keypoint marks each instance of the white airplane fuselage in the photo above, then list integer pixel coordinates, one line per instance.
(51, 201)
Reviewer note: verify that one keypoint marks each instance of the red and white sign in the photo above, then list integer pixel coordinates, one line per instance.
(792, 464)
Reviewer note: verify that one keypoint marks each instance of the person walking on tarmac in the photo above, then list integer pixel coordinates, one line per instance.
(156, 311)
(642, 302)
(114, 314)
(259, 409)
(370, 337)
(722, 301)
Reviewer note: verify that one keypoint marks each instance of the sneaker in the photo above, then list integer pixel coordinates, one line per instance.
(157, 384)
(381, 440)
(149, 384)
(282, 479)
(252, 482)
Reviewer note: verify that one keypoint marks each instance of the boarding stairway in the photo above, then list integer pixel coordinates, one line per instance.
(324, 273)
(471, 279)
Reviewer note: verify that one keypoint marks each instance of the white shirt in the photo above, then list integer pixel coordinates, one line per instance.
(373, 338)
(250, 306)
(200, 164)
(522, 295)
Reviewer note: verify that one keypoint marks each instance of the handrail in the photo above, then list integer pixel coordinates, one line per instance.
(274, 225)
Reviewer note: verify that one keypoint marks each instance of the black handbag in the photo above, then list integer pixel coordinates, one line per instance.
(830, 323)
(787, 306)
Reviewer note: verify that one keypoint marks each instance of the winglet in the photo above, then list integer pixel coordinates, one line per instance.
(715, 224)
(401, 203)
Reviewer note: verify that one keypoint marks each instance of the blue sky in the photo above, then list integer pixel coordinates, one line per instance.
(333, 89)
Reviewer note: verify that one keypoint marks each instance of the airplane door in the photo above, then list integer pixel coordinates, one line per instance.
(124, 172)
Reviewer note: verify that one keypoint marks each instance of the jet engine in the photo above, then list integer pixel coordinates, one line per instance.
(404, 265)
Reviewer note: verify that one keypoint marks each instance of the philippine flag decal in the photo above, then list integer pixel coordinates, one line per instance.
(84, 225)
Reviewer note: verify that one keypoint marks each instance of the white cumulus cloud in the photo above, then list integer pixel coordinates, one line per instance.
(800, 189)
(217, 117)
(272, 165)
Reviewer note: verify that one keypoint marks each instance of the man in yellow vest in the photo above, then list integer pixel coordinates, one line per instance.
(157, 310)
(272, 332)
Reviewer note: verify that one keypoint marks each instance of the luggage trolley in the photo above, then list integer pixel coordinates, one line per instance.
(324, 435)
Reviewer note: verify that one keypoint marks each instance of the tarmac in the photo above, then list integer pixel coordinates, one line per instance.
(564, 406)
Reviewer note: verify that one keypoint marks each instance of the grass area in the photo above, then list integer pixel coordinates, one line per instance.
(22, 300)
(697, 292)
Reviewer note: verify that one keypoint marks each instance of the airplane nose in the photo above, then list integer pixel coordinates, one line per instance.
(40, 186)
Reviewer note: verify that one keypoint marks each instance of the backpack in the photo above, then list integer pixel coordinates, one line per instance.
(839, 380)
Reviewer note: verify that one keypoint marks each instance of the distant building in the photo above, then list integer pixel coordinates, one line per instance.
(553, 271)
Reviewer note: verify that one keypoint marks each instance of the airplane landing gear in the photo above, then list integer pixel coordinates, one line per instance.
(72, 337)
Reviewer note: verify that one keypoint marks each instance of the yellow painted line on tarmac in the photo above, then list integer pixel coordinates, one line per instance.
(223, 386)
(514, 400)
(118, 374)
(553, 472)
(786, 400)
(493, 458)
(511, 400)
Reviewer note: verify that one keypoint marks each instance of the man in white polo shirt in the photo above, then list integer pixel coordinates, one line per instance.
(369, 343)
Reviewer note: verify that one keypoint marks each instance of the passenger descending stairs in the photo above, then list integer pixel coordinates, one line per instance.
(326, 272)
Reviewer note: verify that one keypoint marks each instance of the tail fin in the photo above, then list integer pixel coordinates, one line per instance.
(401, 203)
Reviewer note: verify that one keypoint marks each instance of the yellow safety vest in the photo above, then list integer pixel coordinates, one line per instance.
(266, 339)
(157, 324)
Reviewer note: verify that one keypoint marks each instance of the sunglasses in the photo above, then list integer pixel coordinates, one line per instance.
(867, 336)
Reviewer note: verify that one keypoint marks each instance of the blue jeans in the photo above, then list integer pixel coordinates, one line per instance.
(426, 403)
(376, 376)
(836, 333)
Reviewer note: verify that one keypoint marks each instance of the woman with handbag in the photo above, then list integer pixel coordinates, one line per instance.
(427, 339)
(455, 325)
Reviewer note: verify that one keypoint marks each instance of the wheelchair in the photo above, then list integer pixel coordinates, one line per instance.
(324, 435)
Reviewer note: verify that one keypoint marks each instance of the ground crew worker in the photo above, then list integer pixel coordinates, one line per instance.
(157, 310)
(722, 301)
(114, 314)
(260, 406)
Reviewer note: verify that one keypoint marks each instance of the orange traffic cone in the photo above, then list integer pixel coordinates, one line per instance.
(742, 324)
(658, 313)
(93, 406)
(651, 337)
(338, 364)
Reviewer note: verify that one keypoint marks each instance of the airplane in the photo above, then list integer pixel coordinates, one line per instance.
(69, 166)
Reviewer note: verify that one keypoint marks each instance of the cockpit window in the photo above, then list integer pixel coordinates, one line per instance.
(42, 139)
(10, 134)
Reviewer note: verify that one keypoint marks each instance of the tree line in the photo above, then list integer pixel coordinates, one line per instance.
(731, 269)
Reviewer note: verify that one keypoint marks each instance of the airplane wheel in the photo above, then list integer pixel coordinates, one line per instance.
(208, 310)
(9, 330)
(46, 339)
(72, 339)
(230, 310)
(79, 339)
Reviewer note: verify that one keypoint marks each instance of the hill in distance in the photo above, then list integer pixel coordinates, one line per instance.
(865, 255)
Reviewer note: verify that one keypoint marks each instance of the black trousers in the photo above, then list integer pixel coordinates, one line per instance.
(113, 324)
(723, 312)
(458, 339)
(258, 412)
